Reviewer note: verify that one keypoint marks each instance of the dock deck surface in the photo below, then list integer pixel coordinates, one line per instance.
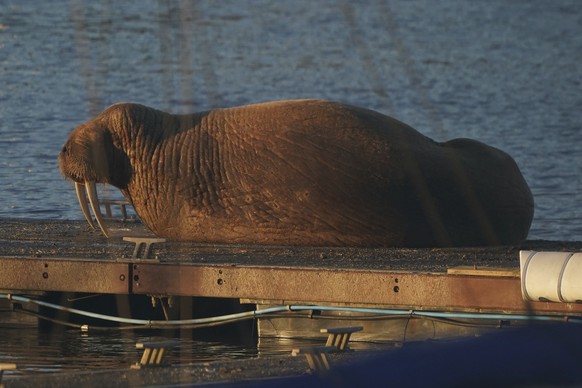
(68, 256)
(75, 240)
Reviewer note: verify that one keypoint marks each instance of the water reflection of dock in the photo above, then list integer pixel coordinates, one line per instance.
(66, 257)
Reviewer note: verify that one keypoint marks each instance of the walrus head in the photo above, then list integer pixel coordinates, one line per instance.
(85, 160)
(95, 153)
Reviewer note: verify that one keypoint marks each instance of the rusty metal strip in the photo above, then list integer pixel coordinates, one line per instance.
(27, 274)
(394, 289)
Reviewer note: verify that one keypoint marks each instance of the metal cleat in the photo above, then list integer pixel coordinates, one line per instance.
(143, 245)
(153, 353)
(339, 337)
(317, 357)
(122, 206)
(4, 367)
(337, 341)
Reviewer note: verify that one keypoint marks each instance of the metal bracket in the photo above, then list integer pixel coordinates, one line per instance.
(153, 353)
(317, 357)
(339, 337)
(143, 245)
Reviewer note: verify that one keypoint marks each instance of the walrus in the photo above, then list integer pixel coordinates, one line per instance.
(298, 172)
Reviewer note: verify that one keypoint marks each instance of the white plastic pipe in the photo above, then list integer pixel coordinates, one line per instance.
(551, 276)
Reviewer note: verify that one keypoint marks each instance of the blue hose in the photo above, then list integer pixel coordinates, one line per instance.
(278, 309)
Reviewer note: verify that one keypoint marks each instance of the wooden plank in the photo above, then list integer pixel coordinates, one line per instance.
(483, 271)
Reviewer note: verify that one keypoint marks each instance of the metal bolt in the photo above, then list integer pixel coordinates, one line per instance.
(122, 277)
(45, 275)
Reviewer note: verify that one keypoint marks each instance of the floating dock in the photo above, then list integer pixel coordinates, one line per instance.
(67, 256)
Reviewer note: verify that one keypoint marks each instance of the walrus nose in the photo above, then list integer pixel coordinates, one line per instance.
(88, 189)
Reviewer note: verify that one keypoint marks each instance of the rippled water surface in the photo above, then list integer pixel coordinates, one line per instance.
(507, 73)
(504, 72)
(68, 351)
(62, 350)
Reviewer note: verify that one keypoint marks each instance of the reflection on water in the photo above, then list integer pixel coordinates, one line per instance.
(42, 346)
(37, 351)
(43, 351)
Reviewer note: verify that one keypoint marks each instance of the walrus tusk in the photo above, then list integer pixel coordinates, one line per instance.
(81, 196)
(94, 200)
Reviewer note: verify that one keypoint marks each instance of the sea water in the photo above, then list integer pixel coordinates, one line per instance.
(505, 73)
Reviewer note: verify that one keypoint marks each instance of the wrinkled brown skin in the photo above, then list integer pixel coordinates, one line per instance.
(301, 172)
